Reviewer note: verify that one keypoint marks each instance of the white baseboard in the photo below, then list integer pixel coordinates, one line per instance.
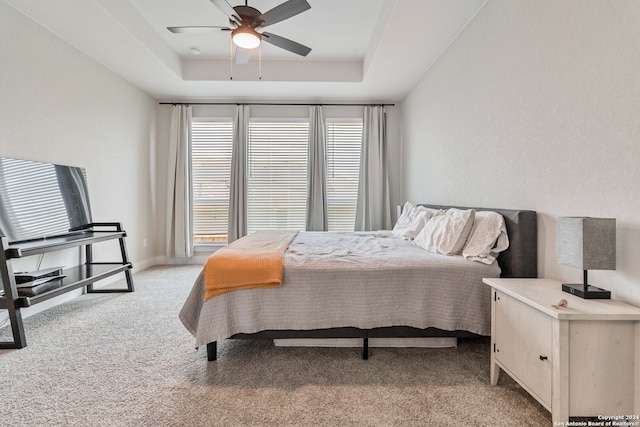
(427, 342)
(139, 266)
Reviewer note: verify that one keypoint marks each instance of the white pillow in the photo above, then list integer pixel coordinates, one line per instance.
(488, 238)
(412, 220)
(447, 232)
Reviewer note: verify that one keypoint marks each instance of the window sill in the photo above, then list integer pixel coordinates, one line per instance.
(201, 248)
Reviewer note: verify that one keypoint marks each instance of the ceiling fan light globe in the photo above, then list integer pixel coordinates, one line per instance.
(245, 38)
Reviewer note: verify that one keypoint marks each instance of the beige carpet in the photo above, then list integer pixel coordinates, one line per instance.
(126, 360)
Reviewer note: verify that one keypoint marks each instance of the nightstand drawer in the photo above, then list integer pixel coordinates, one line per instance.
(523, 345)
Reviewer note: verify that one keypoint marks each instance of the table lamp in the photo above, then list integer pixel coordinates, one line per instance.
(588, 244)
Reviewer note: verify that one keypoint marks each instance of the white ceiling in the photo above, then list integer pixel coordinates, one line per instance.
(367, 50)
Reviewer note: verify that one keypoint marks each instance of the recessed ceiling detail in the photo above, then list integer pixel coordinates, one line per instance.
(358, 46)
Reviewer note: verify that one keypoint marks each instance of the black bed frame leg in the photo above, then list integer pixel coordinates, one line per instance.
(365, 349)
(212, 351)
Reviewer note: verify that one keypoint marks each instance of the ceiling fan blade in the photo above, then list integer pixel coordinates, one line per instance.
(241, 55)
(196, 29)
(286, 44)
(226, 9)
(284, 11)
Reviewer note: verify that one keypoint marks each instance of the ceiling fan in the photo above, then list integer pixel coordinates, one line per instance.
(246, 20)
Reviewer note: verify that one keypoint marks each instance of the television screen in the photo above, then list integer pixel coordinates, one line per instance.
(41, 199)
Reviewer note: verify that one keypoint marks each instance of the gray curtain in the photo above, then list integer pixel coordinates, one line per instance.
(373, 211)
(179, 239)
(238, 185)
(317, 218)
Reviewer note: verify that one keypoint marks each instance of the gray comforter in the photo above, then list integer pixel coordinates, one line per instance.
(362, 279)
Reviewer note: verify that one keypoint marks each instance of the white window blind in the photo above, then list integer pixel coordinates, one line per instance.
(211, 170)
(277, 175)
(344, 139)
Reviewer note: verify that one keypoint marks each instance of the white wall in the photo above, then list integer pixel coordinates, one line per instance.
(536, 105)
(58, 105)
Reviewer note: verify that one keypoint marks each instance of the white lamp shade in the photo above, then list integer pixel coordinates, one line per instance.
(587, 243)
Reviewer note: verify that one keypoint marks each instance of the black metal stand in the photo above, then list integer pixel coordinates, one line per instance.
(212, 351)
(125, 258)
(75, 277)
(586, 291)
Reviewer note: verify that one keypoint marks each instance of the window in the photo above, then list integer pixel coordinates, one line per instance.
(277, 175)
(211, 143)
(344, 139)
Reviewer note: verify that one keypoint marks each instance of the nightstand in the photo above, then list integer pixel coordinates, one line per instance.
(582, 360)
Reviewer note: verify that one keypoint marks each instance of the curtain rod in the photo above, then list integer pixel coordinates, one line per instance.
(273, 103)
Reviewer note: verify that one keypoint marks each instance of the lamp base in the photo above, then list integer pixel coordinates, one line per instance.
(592, 292)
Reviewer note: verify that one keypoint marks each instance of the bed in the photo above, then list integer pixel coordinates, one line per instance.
(365, 285)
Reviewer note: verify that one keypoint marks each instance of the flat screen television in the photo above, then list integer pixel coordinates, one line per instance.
(40, 199)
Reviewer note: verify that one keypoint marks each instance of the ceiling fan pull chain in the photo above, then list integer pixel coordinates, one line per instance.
(260, 62)
(230, 59)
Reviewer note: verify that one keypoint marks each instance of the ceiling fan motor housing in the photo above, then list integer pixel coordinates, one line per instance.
(249, 16)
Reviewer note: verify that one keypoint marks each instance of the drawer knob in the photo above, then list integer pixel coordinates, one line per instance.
(543, 358)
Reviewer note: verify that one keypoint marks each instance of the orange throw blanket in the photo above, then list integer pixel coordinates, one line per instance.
(254, 261)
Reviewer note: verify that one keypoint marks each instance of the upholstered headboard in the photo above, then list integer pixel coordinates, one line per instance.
(521, 258)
